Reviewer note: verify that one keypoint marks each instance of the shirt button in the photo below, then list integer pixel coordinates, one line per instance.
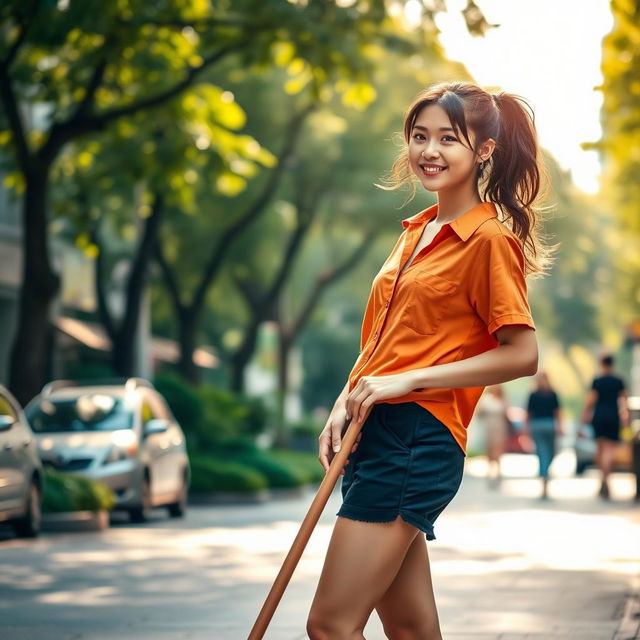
(375, 336)
(386, 304)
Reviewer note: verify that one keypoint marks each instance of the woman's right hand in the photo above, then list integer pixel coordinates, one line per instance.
(330, 439)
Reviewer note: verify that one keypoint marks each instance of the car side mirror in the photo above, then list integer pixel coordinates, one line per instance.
(6, 422)
(157, 425)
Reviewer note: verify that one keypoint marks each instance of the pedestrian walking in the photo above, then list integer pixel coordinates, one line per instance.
(606, 409)
(447, 315)
(543, 424)
(492, 411)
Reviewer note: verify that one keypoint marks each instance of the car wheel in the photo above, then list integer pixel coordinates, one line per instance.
(143, 512)
(178, 509)
(29, 525)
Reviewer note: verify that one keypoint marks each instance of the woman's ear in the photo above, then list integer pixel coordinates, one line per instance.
(486, 149)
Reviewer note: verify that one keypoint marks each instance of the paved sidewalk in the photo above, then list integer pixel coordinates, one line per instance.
(506, 566)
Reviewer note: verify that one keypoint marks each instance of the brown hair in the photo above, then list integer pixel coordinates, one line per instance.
(513, 175)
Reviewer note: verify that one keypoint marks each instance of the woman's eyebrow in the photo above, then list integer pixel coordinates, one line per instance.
(419, 126)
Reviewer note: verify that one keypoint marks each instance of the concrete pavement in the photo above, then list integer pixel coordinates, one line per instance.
(506, 566)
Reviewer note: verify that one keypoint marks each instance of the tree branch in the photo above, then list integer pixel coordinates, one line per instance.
(24, 28)
(139, 266)
(255, 209)
(92, 86)
(10, 101)
(81, 124)
(101, 296)
(324, 280)
(168, 275)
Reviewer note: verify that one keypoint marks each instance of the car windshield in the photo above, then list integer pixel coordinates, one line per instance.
(90, 412)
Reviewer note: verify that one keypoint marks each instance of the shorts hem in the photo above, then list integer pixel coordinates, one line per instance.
(371, 514)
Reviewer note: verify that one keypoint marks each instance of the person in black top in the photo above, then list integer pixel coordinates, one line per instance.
(543, 424)
(606, 408)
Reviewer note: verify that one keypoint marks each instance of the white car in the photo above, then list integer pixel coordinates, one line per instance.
(20, 470)
(120, 433)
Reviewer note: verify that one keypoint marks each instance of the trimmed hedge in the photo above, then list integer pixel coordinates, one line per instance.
(251, 469)
(68, 492)
(279, 474)
(210, 474)
(307, 464)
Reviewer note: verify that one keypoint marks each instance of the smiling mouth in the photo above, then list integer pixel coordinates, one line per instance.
(431, 169)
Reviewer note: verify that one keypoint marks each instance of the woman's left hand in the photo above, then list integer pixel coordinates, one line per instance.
(372, 389)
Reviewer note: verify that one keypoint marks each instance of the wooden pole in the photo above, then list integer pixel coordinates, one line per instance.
(304, 533)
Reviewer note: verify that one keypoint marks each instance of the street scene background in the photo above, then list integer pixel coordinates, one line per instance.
(189, 207)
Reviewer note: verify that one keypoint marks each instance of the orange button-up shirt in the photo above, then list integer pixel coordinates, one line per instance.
(446, 306)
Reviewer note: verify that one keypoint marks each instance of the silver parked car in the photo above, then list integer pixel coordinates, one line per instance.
(121, 433)
(20, 470)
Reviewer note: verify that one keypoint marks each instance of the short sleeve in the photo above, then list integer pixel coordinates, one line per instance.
(594, 384)
(621, 386)
(498, 287)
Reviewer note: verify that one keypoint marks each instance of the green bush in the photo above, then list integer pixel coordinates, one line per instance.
(306, 464)
(209, 474)
(280, 473)
(183, 401)
(307, 427)
(227, 414)
(67, 492)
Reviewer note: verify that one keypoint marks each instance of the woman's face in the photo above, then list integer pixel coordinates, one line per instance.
(438, 157)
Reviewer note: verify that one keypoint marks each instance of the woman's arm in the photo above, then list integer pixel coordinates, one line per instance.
(589, 403)
(623, 407)
(557, 419)
(514, 357)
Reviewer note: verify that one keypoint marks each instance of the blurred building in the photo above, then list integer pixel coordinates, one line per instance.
(79, 338)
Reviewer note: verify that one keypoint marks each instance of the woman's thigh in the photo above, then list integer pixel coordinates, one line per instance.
(362, 561)
(408, 607)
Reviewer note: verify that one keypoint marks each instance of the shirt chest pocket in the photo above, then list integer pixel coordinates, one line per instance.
(428, 296)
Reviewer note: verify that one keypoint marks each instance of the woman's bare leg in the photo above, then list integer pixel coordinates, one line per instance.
(362, 561)
(408, 608)
(606, 453)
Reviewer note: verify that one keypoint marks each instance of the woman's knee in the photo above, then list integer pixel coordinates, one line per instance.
(426, 630)
(323, 628)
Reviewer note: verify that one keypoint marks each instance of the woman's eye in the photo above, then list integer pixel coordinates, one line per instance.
(418, 136)
(449, 139)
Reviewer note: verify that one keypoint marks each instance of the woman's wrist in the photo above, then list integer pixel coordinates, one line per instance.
(419, 379)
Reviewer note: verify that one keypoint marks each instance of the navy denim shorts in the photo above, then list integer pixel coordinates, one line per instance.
(407, 463)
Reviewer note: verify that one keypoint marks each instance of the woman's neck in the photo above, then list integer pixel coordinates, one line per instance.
(452, 204)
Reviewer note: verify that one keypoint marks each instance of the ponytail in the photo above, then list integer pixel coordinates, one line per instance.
(514, 179)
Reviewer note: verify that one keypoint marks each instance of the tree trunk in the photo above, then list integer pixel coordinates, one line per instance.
(28, 361)
(242, 357)
(284, 350)
(188, 320)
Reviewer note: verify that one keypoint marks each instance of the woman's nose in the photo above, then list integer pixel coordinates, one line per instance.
(430, 150)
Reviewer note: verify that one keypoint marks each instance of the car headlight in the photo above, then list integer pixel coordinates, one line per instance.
(126, 440)
(116, 454)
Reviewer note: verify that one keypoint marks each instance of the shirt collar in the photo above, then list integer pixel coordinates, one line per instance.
(464, 226)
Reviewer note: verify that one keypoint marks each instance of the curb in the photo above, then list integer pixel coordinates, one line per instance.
(72, 521)
(629, 628)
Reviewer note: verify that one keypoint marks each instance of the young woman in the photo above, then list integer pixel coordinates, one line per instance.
(543, 424)
(447, 315)
(606, 408)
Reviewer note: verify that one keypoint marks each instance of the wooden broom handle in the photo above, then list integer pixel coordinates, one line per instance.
(304, 533)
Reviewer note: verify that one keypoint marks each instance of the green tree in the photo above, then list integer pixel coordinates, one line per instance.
(89, 65)
(620, 117)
